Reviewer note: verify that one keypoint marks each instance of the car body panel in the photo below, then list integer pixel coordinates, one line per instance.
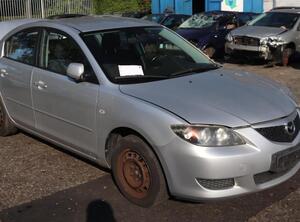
(16, 91)
(66, 110)
(254, 96)
(257, 31)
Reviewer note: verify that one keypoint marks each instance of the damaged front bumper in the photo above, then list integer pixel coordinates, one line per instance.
(270, 48)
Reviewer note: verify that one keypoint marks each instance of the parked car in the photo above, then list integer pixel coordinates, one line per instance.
(208, 30)
(139, 99)
(172, 21)
(273, 36)
(136, 14)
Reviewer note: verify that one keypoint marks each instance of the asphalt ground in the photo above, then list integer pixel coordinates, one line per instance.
(41, 182)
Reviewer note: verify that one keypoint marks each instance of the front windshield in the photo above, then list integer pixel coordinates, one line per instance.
(199, 21)
(145, 54)
(276, 19)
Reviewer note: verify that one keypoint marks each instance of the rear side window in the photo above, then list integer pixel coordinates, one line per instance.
(22, 47)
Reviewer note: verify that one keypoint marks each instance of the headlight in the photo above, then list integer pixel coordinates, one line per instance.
(229, 38)
(264, 41)
(208, 135)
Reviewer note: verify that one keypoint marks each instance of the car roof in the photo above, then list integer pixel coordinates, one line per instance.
(7, 26)
(95, 23)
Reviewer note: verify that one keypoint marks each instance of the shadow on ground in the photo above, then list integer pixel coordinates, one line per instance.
(100, 200)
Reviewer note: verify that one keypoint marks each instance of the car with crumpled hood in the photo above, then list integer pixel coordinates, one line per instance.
(273, 36)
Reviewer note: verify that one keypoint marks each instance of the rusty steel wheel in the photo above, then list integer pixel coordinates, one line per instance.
(286, 55)
(134, 173)
(7, 128)
(137, 172)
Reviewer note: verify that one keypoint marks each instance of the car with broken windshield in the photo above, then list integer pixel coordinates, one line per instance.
(273, 36)
(208, 30)
(139, 99)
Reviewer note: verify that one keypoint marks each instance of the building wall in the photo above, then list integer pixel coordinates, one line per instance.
(269, 4)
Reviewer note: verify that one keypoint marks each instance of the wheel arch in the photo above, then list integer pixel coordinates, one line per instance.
(116, 134)
(120, 132)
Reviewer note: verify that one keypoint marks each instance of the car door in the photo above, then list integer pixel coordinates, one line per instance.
(16, 67)
(65, 110)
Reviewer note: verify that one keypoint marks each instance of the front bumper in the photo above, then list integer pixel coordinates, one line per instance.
(261, 52)
(200, 173)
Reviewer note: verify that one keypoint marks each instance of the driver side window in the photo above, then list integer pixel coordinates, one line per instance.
(60, 51)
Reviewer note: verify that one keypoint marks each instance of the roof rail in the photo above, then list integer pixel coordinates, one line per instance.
(286, 7)
(62, 16)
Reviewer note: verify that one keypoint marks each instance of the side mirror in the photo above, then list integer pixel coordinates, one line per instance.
(75, 71)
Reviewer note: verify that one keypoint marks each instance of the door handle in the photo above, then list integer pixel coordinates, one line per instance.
(40, 85)
(3, 73)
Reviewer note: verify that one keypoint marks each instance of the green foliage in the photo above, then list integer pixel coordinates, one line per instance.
(119, 6)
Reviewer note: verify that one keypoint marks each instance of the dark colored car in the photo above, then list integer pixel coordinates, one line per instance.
(135, 14)
(208, 30)
(171, 21)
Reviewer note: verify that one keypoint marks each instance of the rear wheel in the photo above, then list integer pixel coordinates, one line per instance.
(7, 128)
(137, 172)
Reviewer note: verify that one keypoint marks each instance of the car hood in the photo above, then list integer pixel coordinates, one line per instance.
(257, 31)
(219, 97)
(193, 33)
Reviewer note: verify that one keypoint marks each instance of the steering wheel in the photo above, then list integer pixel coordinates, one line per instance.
(157, 57)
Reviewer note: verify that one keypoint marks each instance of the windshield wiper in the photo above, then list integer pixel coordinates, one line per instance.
(196, 69)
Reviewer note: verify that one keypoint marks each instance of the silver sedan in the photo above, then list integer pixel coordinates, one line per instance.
(137, 98)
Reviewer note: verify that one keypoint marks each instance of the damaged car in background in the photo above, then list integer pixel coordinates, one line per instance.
(207, 31)
(274, 36)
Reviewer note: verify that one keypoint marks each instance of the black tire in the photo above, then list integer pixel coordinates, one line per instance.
(138, 173)
(7, 128)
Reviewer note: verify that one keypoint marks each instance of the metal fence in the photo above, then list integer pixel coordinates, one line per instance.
(18, 9)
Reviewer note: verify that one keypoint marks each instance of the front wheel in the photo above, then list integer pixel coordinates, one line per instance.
(286, 56)
(137, 172)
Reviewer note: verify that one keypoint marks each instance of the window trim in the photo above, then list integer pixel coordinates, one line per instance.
(36, 49)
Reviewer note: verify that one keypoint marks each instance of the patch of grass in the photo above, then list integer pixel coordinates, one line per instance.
(120, 6)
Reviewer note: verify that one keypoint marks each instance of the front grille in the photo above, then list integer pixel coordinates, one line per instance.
(282, 163)
(245, 40)
(279, 133)
(221, 184)
(266, 177)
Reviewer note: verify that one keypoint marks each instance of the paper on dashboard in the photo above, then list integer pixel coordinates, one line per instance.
(131, 70)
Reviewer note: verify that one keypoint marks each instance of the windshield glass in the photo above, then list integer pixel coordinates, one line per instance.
(199, 21)
(154, 18)
(276, 19)
(145, 54)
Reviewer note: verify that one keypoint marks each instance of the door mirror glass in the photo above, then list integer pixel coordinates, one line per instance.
(75, 71)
